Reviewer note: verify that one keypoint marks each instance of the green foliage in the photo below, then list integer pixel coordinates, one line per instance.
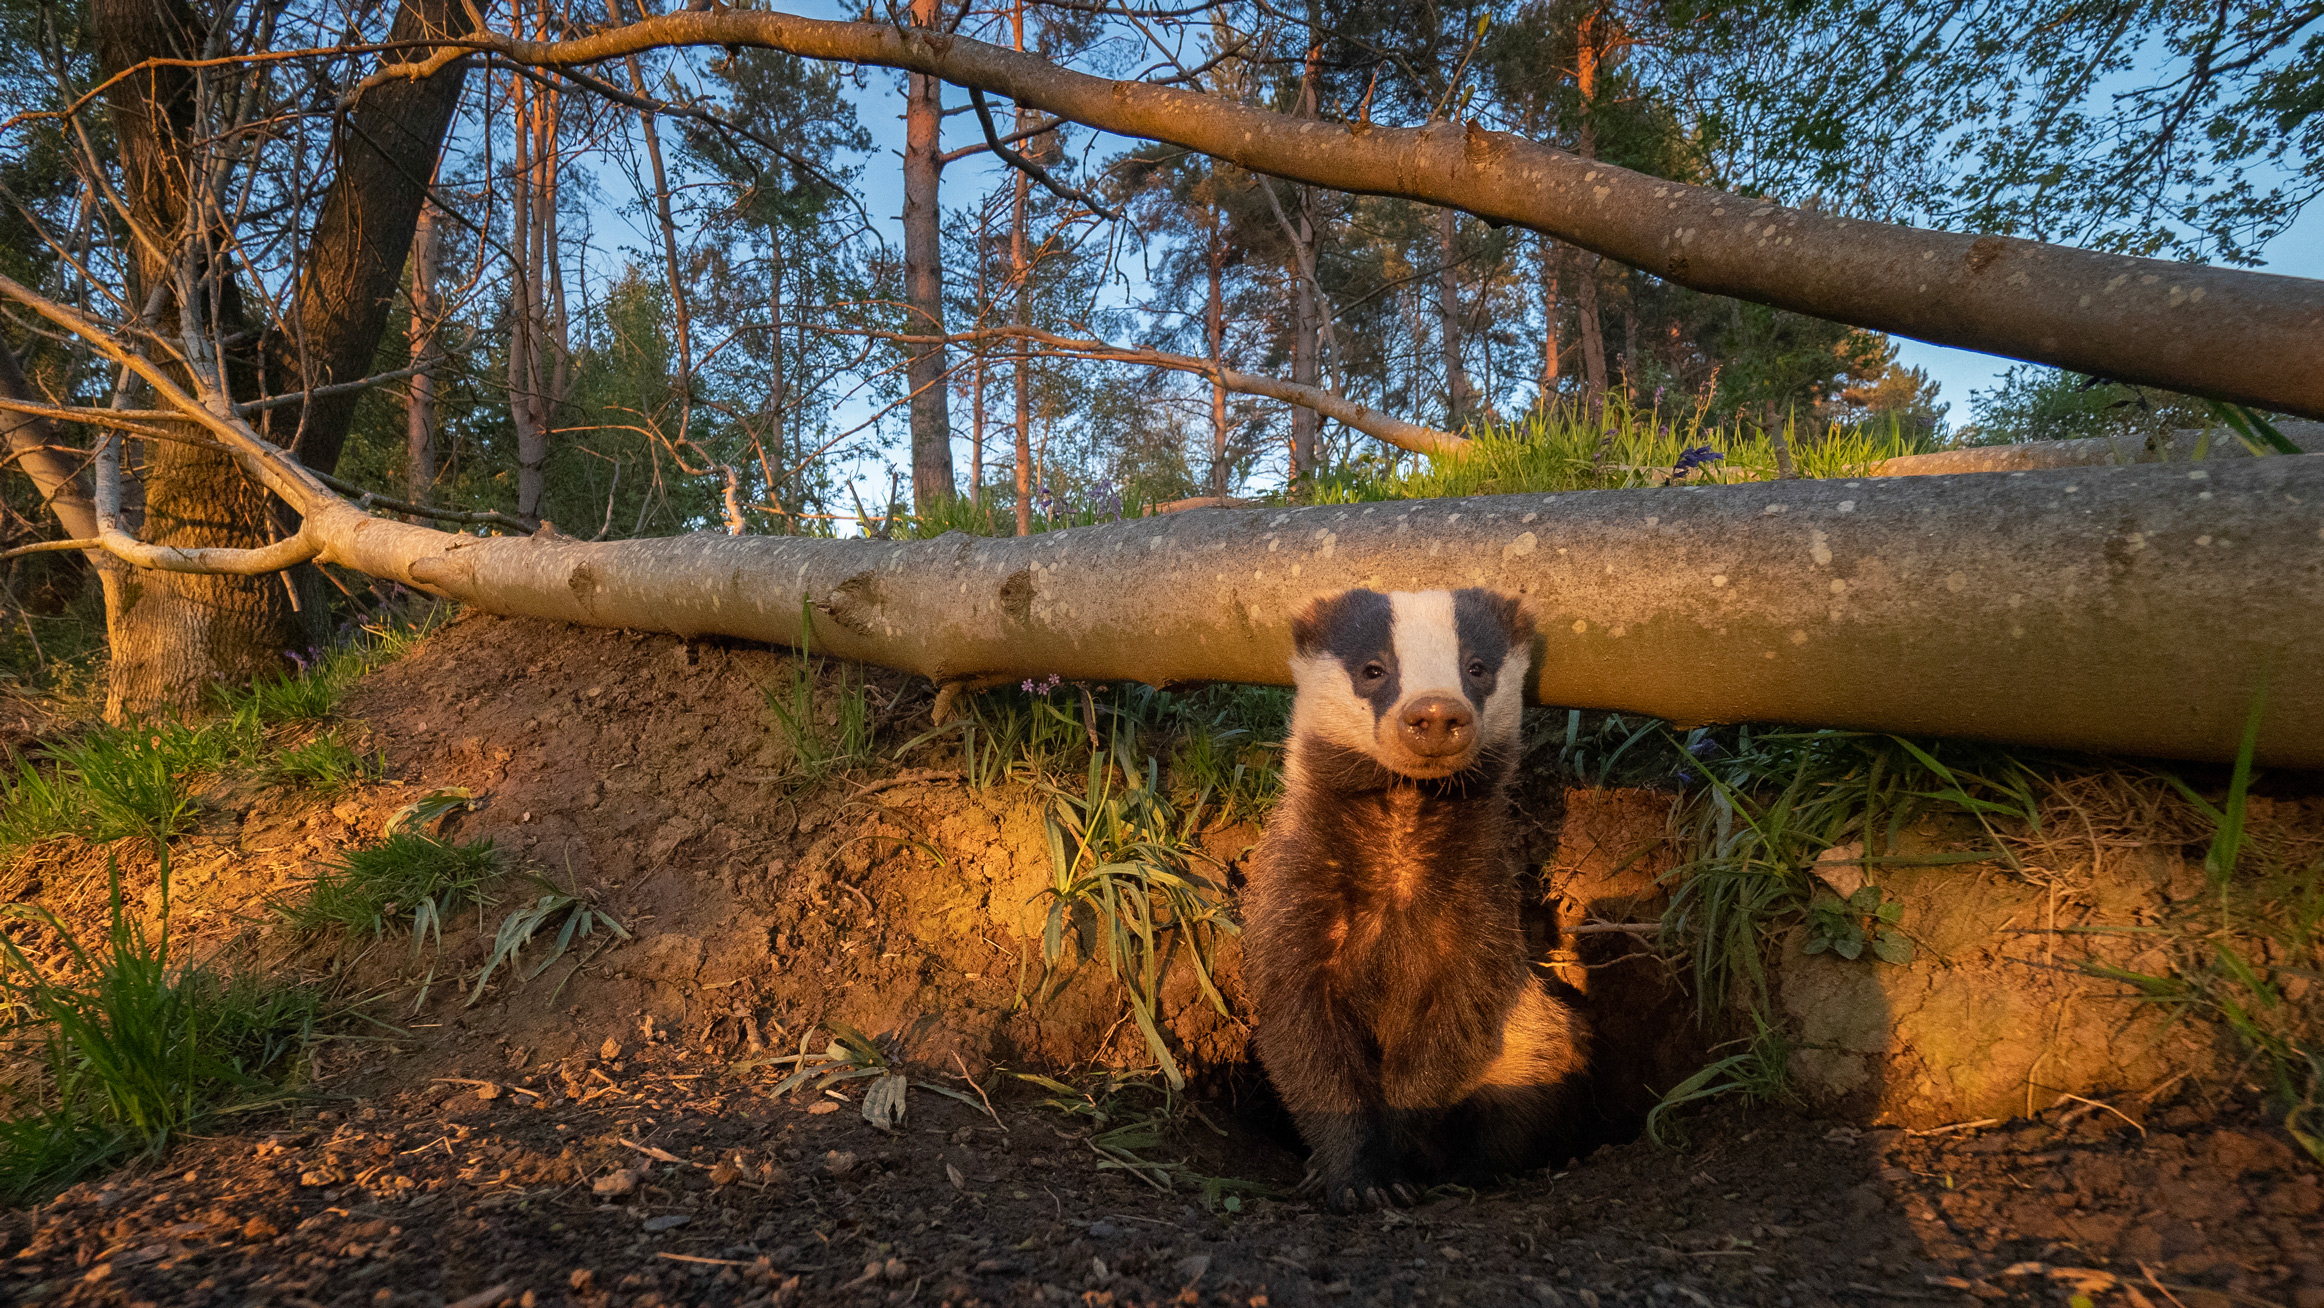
(1756, 1073)
(1125, 1116)
(821, 744)
(574, 918)
(1569, 448)
(135, 1049)
(111, 783)
(2034, 403)
(1773, 804)
(1121, 858)
(408, 881)
(326, 764)
(1846, 926)
(2250, 957)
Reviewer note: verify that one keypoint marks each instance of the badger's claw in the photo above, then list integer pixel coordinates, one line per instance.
(1309, 1184)
(1405, 1194)
(1362, 1196)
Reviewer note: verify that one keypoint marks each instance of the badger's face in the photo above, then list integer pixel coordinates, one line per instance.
(1422, 682)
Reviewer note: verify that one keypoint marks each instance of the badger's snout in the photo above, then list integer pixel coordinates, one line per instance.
(1434, 726)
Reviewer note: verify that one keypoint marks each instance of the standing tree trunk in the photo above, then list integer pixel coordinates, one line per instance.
(1215, 328)
(1306, 306)
(976, 392)
(1592, 333)
(931, 421)
(1458, 396)
(171, 634)
(524, 307)
(1552, 255)
(427, 353)
(1589, 52)
(1022, 277)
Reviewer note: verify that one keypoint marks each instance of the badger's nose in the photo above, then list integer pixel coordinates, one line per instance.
(1436, 725)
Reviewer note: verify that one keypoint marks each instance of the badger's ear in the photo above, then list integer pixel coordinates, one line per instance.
(1508, 613)
(1312, 626)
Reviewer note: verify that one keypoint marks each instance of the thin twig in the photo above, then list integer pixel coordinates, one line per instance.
(988, 1103)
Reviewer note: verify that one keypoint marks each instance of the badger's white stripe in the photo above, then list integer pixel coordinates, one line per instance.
(1428, 645)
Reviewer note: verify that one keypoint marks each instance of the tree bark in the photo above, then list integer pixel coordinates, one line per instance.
(2135, 609)
(1457, 397)
(1215, 337)
(2253, 338)
(1551, 256)
(2061, 608)
(426, 353)
(387, 147)
(171, 635)
(1593, 331)
(1021, 278)
(931, 421)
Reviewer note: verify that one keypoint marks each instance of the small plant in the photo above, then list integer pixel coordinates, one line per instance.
(818, 751)
(326, 764)
(574, 917)
(1124, 855)
(408, 881)
(135, 1049)
(1865, 918)
(1756, 1073)
(1124, 1116)
(2250, 954)
(1775, 801)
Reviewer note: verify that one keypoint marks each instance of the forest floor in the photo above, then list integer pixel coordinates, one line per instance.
(608, 1133)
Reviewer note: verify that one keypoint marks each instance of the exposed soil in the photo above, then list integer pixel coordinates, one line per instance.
(439, 1196)
(642, 773)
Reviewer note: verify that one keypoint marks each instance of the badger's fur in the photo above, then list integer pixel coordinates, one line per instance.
(1397, 1015)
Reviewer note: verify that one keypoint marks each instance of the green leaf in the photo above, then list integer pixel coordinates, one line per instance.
(1890, 947)
(1848, 948)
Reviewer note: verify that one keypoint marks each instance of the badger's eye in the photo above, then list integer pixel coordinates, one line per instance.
(1476, 667)
(1373, 671)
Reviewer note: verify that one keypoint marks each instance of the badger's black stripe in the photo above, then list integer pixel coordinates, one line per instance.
(1484, 621)
(1357, 628)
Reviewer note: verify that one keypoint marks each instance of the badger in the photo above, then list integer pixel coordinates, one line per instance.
(1396, 1013)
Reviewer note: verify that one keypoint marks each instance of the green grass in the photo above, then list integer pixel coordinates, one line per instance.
(326, 764)
(409, 881)
(571, 917)
(111, 783)
(1122, 860)
(135, 1048)
(2250, 955)
(820, 744)
(1570, 449)
(1771, 803)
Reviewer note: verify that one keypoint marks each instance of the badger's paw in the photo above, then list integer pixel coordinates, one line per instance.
(1357, 1191)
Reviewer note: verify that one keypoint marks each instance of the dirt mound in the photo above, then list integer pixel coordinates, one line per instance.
(646, 773)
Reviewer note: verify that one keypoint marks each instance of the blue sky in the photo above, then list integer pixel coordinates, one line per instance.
(1959, 373)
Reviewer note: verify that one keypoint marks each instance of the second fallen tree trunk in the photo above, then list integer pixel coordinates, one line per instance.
(2126, 609)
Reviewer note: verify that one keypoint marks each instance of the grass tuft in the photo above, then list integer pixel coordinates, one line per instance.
(820, 748)
(326, 764)
(1122, 855)
(135, 1050)
(408, 881)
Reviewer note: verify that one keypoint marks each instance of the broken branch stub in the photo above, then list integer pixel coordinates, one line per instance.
(2126, 609)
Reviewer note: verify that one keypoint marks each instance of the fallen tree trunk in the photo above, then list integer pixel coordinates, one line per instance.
(2135, 609)
(2025, 456)
(2249, 337)
(2126, 609)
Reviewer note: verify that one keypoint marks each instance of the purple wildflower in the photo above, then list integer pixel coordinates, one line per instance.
(1032, 687)
(1691, 458)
